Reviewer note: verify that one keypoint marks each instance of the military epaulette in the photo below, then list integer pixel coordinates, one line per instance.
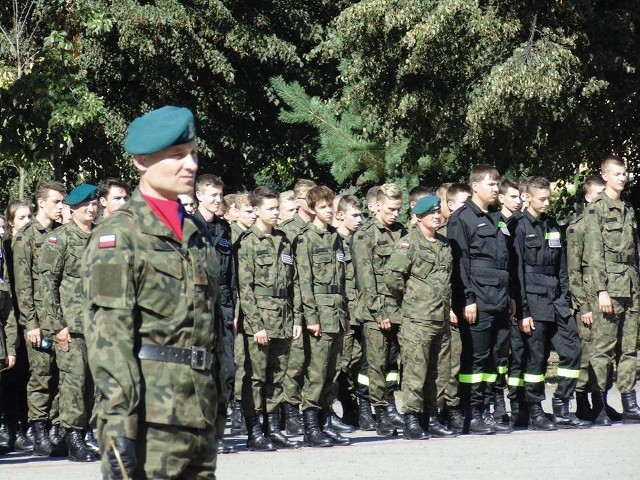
(244, 234)
(366, 226)
(285, 223)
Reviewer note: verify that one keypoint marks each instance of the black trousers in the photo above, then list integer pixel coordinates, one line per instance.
(516, 362)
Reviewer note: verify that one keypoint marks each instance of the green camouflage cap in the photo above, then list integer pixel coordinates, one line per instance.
(159, 129)
(427, 204)
(82, 193)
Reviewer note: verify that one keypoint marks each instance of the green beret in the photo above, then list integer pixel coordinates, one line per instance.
(159, 129)
(427, 204)
(82, 193)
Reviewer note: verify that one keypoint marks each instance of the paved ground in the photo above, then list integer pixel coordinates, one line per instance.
(597, 453)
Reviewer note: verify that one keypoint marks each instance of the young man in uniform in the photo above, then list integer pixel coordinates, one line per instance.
(27, 246)
(151, 291)
(547, 317)
(61, 287)
(112, 194)
(480, 286)
(419, 277)
(611, 245)
(288, 206)
(372, 247)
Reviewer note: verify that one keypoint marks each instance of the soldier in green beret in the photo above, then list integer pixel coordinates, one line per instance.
(151, 315)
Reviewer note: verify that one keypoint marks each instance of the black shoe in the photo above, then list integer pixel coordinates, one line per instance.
(412, 429)
(437, 429)
(455, 419)
(5, 439)
(42, 444)
(256, 441)
(236, 419)
(58, 444)
(630, 410)
(477, 425)
(563, 418)
(583, 407)
(91, 443)
(272, 426)
(22, 442)
(365, 417)
(326, 424)
(396, 418)
(384, 427)
(225, 447)
(538, 420)
(293, 422)
(338, 425)
(500, 414)
(313, 436)
(77, 450)
(600, 417)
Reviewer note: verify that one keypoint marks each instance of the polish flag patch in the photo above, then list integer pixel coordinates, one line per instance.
(107, 241)
(52, 240)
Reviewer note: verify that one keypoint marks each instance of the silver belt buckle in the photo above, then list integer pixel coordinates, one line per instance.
(198, 358)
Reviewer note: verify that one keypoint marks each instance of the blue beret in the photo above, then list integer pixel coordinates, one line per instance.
(82, 193)
(159, 129)
(427, 204)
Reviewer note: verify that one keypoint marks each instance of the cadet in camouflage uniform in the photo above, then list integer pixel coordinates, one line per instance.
(295, 363)
(419, 277)
(26, 256)
(150, 284)
(266, 277)
(611, 245)
(320, 260)
(61, 288)
(372, 247)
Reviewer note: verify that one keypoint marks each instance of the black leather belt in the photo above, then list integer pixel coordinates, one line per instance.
(548, 270)
(197, 358)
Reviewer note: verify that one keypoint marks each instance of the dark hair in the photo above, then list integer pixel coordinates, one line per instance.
(318, 194)
(456, 188)
(105, 187)
(541, 183)
(208, 179)
(524, 184)
(260, 194)
(43, 188)
(12, 209)
(416, 193)
(593, 181)
(611, 160)
(506, 184)
(480, 171)
(348, 201)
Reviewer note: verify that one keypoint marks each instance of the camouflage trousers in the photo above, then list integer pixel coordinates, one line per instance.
(584, 332)
(262, 386)
(295, 372)
(422, 346)
(349, 363)
(73, 382)
(42, 400)
(449, 376)
(614, 338)
(378, 350)
(319, 390)
(239, 359)
(168, 452)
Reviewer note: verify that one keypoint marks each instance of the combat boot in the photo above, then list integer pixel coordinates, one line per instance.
(538, 420)
(499, 427)
(563, 418)
(293, 424)
(313, 436)
(236, 419)
(384, 427)
(455, 419)
(350, 412)
(338, 425)
(225, 447)
(437, 429)
(500, 414)
(41, 444)
(77, 450)
(630, 410)
(412, 429)
(395, 417)
(256, 441)
(477, 425)
(365, 417)
(600, 417)
(22, 442)
(272, 426)
(91, 443)
(326, 424)
(612, 413)
(5, 439)
(519, 414)
(583, 407)
(58, 445)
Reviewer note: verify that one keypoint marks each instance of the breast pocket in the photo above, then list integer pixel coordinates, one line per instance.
(264, 270)
(484, 241)
(532, 246)
(612, 235)
(423, 265)
(163, 284)
(381, 256)
(322, 267)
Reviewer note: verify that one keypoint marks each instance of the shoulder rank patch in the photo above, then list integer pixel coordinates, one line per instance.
(52, 240)
(107, 241)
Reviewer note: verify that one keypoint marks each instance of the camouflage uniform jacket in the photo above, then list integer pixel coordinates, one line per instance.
(8, 326)
(582, 293)
(350, 290)
(371, 249)
(141, 285)
(236, 231)
(266, 274)
(27, 246)
(419, 276)
(611, 245)
(60, 280)
(293, 227)
(321, 261)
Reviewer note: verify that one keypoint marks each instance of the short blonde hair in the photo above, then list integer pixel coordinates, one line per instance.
(389, 190)
(242, 200)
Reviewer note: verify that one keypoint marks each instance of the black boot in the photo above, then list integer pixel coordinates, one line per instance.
(77, 450)
(256, 441)
(455, 419)
(91, 443)
(612, 413)
(563, 418)
(225, 447)
(384, 427)
(22, 442)
(600, 417)
(365, 417)
(437, 429)
(293, 422)
(5, 439)
(396, 418)
(338, 425)
(326, 423)
(313, 436)
(42, 444)
(538, 419)
(350, 412)
(477, 425)
(500, 414)
(630, 410)
(519, 414)
(412, 429)
(274, 434)
(583, 407)
(499, 427)
(236, 418)
(58, 445)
